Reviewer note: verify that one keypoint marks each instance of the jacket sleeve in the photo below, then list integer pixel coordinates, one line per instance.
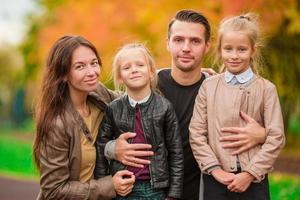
(104, 94)
(175, 153)
(105, 134)
(55, 175)
(202, 151)
(263, 161)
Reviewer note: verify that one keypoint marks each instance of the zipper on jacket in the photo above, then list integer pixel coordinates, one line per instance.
(151, 180)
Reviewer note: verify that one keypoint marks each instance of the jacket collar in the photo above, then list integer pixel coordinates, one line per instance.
(72, 113)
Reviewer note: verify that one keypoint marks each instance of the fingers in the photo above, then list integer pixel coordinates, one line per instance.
(240, 150)
(230, 138)
(127, 135)
(140, 146)
(235, 144)
(122, 173)
(246, 117)
(234, 130)
(126, 191)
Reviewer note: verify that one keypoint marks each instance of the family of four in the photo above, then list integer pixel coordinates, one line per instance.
(165, 137)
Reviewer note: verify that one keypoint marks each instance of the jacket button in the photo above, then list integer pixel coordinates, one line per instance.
(232, 168)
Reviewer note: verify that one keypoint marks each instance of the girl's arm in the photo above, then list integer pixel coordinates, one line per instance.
(263, 161)
(203, 153)
(55, 173)
(175, 153)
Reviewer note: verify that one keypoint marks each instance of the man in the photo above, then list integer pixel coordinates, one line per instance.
(188, 41)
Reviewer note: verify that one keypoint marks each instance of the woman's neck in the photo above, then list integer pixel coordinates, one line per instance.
(79, 101)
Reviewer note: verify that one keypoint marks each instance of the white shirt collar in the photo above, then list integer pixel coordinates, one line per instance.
(133, 102)
(241, 78)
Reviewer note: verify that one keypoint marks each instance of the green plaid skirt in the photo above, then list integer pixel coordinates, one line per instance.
(144, 191)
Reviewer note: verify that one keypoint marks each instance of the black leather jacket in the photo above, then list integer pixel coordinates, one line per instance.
(160, 127)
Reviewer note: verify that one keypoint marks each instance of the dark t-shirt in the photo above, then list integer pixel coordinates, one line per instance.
(183, 100)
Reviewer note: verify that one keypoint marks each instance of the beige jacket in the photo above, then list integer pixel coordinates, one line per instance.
(218, 105)
(60, 158)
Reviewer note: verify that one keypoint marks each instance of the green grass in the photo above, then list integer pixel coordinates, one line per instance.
(284, 187)
(16, 157)
(16, 150)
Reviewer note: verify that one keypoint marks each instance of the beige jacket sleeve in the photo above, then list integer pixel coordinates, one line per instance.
(203, 153)
(264, 159)
(55, 175)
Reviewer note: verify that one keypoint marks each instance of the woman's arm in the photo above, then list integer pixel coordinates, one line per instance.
(55, 173)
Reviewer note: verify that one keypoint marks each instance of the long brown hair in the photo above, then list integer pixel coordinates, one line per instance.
(54, 90)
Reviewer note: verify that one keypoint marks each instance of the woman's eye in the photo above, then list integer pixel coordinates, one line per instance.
(79, 66)
(95, 63)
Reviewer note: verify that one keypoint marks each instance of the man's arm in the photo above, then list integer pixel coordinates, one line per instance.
(127, 153)
(244, 138)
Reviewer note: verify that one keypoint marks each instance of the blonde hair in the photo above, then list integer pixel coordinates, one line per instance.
(248, 24)
(149, 61)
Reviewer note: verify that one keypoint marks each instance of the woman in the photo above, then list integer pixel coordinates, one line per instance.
(68, 115)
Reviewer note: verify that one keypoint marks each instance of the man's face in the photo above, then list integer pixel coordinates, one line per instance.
(187, 45)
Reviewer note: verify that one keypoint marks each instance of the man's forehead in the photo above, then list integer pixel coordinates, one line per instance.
(187, 29)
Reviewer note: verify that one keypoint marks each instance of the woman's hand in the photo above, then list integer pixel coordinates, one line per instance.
(123, 182)
(244, 138)
(128, 154)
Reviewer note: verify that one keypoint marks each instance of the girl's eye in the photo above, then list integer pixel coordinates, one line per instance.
(227, 48)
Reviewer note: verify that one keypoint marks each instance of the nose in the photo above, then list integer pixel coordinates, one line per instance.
(134, 69)
(234, 54)
(91, 71)
(186, 46)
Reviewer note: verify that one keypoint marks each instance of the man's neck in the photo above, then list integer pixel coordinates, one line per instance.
(186, 78)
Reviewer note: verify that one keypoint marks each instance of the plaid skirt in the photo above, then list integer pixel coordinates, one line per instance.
(142, 190)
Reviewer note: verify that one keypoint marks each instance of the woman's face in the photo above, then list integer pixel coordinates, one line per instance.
(84, 71)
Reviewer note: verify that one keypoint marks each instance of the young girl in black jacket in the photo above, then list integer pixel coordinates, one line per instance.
(152, 118)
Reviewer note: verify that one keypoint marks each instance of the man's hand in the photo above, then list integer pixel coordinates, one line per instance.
(222, 176)
(244, 138)
(123, 182)
(241, 182)
(128, 153)
(209, 71)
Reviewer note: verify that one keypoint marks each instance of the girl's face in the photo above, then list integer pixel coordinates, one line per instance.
(236, 51)
(134, 70)
(84, 71)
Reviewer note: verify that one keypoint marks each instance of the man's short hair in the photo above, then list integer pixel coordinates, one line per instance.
(191, 16)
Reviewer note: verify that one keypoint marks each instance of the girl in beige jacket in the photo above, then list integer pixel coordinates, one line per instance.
(221, 102)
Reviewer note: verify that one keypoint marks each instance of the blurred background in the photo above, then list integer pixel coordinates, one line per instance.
(28, 28)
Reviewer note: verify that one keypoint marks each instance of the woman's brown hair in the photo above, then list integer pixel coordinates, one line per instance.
(54, 90)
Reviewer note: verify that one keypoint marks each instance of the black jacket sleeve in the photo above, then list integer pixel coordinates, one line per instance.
(105, 134)
(175, 153)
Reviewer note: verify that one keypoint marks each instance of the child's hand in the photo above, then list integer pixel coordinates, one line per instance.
(223, 177)
(241, 182)
(123, 182)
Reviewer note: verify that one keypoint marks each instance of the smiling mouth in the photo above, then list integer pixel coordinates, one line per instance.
(92, 81)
